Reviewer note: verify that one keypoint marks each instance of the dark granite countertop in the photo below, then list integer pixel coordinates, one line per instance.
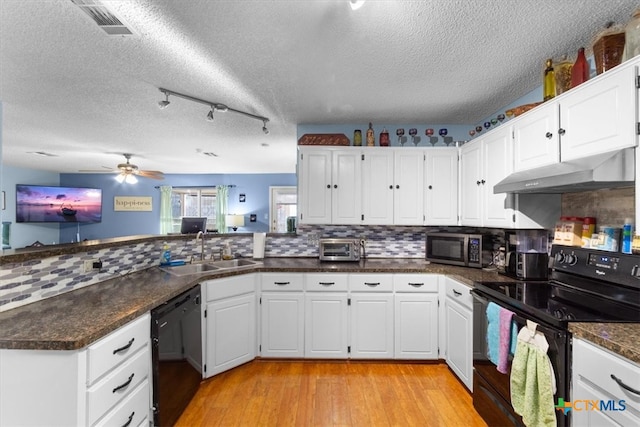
(76, 319)
(621, 338)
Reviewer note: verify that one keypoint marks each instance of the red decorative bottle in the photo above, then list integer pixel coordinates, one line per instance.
(580, 70)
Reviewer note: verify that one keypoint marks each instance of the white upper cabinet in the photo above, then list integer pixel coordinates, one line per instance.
(484, 163)
(314, 186)
(441, 186)
(600, 115)
(346, 183)
(408, 197)
(536, 140)
(377, 193)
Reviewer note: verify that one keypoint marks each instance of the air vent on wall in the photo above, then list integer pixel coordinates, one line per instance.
(101, 15)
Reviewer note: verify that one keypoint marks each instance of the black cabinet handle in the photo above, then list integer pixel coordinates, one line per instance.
(431, 187)
(549, 135)
(335, 185)
(456, 293)
(124, 347)
(477, 182)
(327, 283)
(391, 187)
(482, 181)
(372, 284)
(328, 185)
(624, 386)
(561, 131)
(281, 283)
(125, 385)
(397, 186)
(129, 420)
(416, 285)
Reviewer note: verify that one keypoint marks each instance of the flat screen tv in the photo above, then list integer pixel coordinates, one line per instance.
(41, 203)
(191, 225)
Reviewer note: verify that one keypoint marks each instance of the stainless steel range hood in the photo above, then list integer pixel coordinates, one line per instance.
(609, 170)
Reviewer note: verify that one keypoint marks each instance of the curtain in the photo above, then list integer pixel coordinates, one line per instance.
(166, 219)
(222, 199)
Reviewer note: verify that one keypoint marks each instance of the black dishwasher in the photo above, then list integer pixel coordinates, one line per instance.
(176, 355)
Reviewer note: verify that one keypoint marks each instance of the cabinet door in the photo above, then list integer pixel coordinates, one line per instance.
(325, 325)
(377, 187)
(314, 182)
(536, 140)
(282, 324)
(441, 186)
(470, 183)
(346, 189)
(416, 326)
(372, 326)
(459, 341)
(600, 116)
(231, 333)
(408, 197)
(497, 163)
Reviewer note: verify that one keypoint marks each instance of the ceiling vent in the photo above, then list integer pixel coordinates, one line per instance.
(101, 15)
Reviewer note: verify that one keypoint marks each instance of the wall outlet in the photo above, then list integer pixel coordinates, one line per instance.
(88, 264)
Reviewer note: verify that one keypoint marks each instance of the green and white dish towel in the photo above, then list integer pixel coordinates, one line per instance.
(533, 382)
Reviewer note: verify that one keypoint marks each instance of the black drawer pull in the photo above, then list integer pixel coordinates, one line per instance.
(416, 285)
(624, 386)
(125, 385)
(129, 420)
(372, 284)
(125, 347)
(456, 293)
(281, 283)
(327, 283)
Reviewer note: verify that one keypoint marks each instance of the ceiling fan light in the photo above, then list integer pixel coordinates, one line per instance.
(120, 178)
(131, 179)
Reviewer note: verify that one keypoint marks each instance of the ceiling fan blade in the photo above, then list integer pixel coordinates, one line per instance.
(150, 174)
(106, 170)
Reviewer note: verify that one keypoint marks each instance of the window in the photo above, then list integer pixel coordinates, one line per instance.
(283, 202)
(193, 202)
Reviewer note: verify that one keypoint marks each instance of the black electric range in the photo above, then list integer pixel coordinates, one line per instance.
(585, 285)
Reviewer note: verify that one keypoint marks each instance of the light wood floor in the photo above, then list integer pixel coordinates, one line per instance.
(321, 393)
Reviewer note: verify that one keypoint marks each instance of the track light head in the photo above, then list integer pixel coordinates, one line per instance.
(164, 104)
(210, 115)
(264, 128)
(221, 107)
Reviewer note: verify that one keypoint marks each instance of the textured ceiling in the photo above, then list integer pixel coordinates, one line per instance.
(69, 89)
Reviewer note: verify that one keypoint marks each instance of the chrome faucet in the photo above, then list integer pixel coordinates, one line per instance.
(200, 236)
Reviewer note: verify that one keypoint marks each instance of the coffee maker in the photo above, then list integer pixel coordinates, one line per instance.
(526, 254)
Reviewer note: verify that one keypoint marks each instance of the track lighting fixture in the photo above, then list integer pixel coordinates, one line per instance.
(164, 104)
(213, 105)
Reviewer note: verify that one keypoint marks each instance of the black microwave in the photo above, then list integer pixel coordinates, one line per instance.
(466, 250)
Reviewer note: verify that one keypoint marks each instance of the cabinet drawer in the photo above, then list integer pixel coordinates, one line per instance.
(459, 292)
(105, 394)
(230, 286)
(132, 411)
(596, 366)
(110, 351)
(332, 282)
(282, 282)
(415, 282)
(371, 282)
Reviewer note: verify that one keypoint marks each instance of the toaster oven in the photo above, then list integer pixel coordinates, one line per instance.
(339, 249)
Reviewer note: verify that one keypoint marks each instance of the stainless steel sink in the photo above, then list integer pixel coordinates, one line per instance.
(211, 266)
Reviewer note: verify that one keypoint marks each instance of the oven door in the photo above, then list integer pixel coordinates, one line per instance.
(491, 389)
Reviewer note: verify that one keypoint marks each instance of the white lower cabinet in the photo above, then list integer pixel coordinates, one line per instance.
(371, 315)
(459, 330)
(326, 316)
(282, 315)
(416, 316)
(230, 327)
(603, 378)
(106, 383)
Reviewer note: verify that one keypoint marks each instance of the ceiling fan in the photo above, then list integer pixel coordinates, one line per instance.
(128, 172)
